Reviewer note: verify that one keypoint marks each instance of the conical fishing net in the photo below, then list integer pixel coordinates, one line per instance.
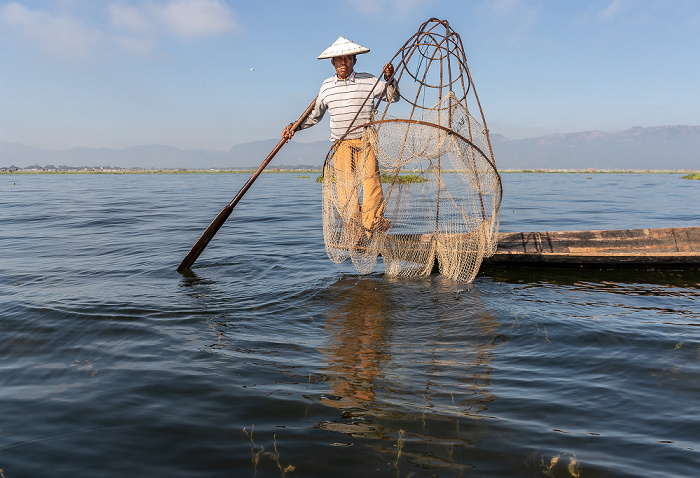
(421, 184)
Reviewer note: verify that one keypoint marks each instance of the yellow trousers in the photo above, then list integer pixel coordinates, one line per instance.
(354, 165)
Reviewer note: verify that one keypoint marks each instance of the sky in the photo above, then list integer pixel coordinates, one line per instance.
(211, 74)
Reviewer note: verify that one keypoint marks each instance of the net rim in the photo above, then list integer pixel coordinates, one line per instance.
(432, 125)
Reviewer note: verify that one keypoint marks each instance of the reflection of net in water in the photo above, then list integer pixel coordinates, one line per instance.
(451, 212)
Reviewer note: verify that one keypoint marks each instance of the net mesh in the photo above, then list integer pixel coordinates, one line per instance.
(421, 185)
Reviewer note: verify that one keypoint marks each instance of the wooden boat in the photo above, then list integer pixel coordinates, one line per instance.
(677, 248)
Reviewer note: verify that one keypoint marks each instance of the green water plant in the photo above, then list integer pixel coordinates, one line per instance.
(399, 447)
(402, 178)
(691, 176)
(276, 458)
(556, 467)
(258, 451)
(390, 178)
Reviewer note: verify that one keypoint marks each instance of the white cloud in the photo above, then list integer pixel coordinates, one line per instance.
(613, 10)
(128, 17)
(184, 18)
(59, 34)
(193, 18)
(72, 30)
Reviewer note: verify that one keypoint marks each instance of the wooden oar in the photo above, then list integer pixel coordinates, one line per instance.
(226, 212)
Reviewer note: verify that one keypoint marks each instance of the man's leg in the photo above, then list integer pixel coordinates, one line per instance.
(372, 196)
(348, 195)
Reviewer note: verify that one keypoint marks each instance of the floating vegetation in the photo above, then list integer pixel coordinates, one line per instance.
(402, 178)
(257, 452)
(390, 178)
(572, 470)
(691, 176)
(399, 446)
(557, 466)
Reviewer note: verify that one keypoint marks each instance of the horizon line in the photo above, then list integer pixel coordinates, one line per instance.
(143, 145)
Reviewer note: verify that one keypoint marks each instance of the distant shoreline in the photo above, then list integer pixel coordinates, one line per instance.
(318, 171)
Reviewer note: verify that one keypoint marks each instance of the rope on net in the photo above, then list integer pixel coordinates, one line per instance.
(451, 212)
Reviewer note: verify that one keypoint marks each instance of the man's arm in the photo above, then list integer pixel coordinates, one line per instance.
(315, 116)
(392, 89)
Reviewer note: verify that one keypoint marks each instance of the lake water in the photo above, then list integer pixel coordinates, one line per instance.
(270, 360)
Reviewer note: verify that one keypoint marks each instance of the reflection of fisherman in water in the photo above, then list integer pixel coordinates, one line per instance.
(390, 352)
(357, 342)
(410, 362)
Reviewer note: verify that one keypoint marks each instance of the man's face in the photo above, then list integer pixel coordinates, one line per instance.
(343, 65)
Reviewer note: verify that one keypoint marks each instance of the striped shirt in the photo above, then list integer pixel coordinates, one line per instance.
(343, 98)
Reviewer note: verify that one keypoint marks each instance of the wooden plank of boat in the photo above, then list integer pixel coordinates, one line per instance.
(663, 247)
(671, 248)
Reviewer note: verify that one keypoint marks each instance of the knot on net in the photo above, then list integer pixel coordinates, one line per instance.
(420, 185)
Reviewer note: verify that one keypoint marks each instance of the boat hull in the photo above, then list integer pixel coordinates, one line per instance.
(627, 248)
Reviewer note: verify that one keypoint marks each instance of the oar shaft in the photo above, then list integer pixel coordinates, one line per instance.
(216, 224)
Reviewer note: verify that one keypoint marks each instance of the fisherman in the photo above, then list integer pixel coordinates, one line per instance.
(343, 96)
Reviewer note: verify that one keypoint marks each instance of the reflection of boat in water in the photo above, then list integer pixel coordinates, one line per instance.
(674, 248)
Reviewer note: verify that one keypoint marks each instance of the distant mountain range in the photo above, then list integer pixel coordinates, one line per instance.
(657, 148)
(160, 156)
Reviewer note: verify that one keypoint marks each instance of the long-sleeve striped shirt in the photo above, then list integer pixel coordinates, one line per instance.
(344, 97)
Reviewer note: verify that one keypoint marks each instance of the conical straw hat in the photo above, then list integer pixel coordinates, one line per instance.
(342, 47)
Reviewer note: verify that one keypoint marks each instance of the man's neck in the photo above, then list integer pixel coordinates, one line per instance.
(350, 75)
